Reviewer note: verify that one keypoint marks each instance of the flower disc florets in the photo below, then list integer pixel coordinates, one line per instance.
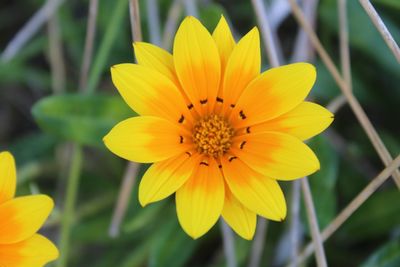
(212, 135)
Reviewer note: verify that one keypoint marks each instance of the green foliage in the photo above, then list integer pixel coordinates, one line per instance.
(386, 256)
(151, 236)
(323, 182)
(84, 119)
(375, 218)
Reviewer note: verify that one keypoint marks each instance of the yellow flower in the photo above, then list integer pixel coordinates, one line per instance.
(219, 133)
(20, 219)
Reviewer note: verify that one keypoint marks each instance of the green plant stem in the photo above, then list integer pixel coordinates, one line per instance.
(69, 205)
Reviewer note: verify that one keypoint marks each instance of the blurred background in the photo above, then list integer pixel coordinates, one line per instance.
(57, 102)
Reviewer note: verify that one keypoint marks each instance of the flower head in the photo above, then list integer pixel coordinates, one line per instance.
(20, 219)
(219, 133)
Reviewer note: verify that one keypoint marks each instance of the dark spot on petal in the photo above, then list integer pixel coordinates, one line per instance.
(242, 144)
(232, 158)
(181, 119)
(242, 115)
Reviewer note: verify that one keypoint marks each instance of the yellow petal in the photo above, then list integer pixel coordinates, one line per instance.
(146, 139)
(223, 38)
(8, 178)
(273, 93)
(276, 155)
(237, 216)
(258, 193)
(22, 217)
(200, 200)
(155, 58)
(243, 66)
(149, 93)
(304, 121)
(197, 64)
(164, 178)
(33, 252)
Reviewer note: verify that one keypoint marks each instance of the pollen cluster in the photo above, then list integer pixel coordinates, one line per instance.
(212, 135)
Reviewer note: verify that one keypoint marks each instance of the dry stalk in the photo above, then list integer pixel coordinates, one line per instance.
(89, 44)
(132, 169)
(351, 208)
(353, 102)
(376, 19)
(30, 28)
(313, 222)
(56, 58)
(128, 182)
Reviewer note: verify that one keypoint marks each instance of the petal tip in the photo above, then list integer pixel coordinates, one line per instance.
(248, 236)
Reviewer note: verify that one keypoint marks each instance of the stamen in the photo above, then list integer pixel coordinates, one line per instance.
(212, 135)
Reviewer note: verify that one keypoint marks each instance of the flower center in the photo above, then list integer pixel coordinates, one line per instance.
(212, 135)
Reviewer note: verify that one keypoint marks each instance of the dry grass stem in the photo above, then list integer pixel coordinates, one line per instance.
(89, 43)
(228, 240)
(171, 23)
(30, 28)
(153, 20)
(340, 101)
(258, 242)
(336, 103)
(313, 223)
(353, 102)
(303, 50)
(344, 43)
(266, 33)
(56, 58)
(376, 19)
(191, 8)
(128, 182)
(134, 15)
(352, 207)
(132, 169)
(295, 221)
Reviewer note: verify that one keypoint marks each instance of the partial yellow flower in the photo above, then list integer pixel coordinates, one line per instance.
(20, 219)
(219, 133)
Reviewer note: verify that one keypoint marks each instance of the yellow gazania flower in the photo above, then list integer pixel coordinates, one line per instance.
(20, 219)
(219, 133)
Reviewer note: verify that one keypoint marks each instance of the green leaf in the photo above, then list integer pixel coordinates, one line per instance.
(172, 247)
(362, 33)
(389, 3)
(84, 119)
(379, 215)
(386, 256)
(323, 182)
(210, 15)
